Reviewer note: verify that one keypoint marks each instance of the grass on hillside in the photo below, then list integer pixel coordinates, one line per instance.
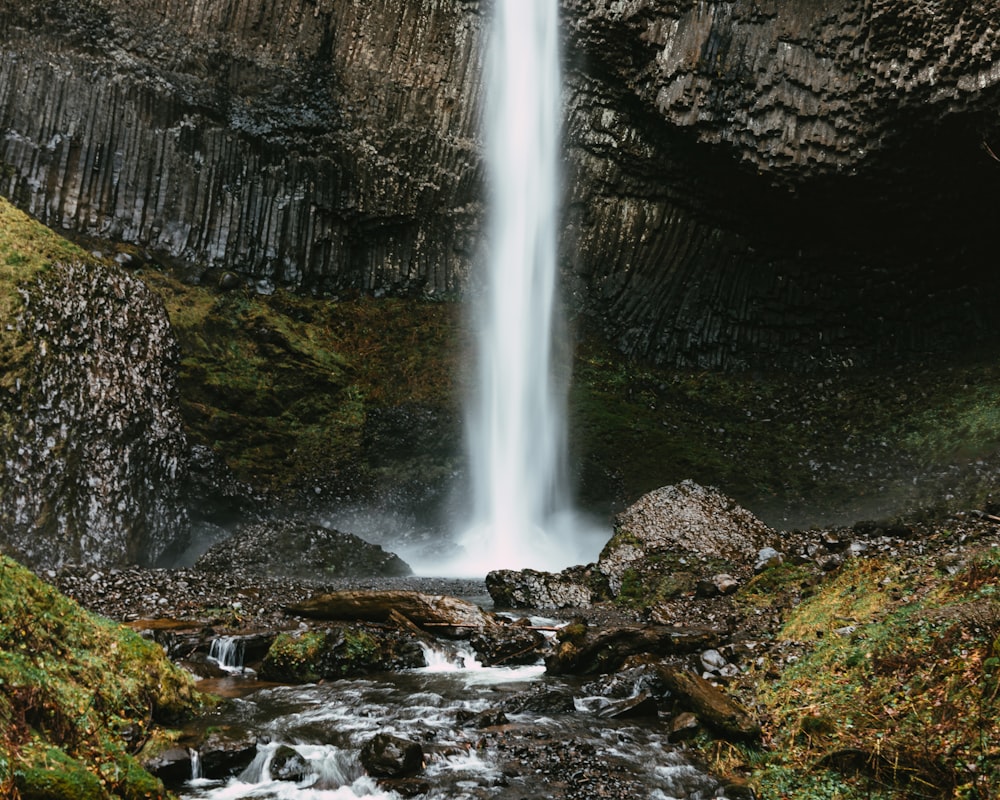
(894, 687)
(79, 696)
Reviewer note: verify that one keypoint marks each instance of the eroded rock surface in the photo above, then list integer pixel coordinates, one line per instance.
(679, 529)
(93, 461)
(301, 550)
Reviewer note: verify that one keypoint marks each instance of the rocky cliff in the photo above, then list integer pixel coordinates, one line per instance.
(92, 455)
(748, 182)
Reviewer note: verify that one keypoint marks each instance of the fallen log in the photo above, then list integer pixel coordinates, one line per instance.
(714, 708)
(605, 650)
(424, 610)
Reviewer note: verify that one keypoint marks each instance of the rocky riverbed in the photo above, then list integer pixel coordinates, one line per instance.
(685, 656)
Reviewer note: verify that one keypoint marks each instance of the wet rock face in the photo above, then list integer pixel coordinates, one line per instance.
(748, 182)
(92, 466)
(780, 182)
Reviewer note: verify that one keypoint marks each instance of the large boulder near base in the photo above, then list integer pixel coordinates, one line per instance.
(575, 587)
(672, 537)
(301, 550)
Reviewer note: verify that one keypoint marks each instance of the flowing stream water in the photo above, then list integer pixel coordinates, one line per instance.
(522, 510)
(310, 737)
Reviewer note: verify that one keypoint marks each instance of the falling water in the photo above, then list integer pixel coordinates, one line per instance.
(517, 416)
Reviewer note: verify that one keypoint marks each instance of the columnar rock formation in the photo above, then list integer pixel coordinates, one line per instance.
(748, 181)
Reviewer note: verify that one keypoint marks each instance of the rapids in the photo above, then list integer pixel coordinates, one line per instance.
(310, 737)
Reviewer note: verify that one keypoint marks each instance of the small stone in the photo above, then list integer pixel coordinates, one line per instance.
(684, 726)
(857, 548)
(713, 660)
(830, 562)
(768, 557)
(229, 281)
(726, 584)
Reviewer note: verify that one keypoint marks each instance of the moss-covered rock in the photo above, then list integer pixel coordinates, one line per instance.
(339, 652)
(280, 387)
(77, 694)
(91, 453)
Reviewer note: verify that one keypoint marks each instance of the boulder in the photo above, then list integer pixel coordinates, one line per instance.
(339, 652)
(507, 644)
(172, 766)
(576, 587)
(226, 751)
(302, 550)
(675, 536)
(388, 756)
(93, 454)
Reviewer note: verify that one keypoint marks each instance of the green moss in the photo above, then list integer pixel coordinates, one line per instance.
(295, 657)
(641, 590)
(281, 386)
(894, 687)
(74, 690)
(834, 442)
(49, 774)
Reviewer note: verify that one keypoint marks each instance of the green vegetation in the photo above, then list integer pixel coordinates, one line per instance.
(848, 442)
(893, 690)
(79, 696)
(280, 386)
(339, 652)
(295, 657)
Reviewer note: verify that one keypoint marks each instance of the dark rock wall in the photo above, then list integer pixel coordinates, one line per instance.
(748, 182)
(318, 144)
(93, 456)
(784, 181)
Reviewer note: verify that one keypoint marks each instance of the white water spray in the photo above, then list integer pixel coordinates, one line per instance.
(521, 502)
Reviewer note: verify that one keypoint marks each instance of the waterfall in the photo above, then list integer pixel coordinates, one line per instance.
(516, 419)
(228, 653)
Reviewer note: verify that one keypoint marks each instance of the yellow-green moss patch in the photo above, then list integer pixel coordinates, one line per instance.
(78, 694)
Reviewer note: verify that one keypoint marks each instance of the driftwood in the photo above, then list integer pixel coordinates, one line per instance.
(718, 711)
(606, 650)
(423, 610)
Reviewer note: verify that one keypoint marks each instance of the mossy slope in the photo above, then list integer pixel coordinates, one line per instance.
(280, 386)
(79, 696)
(890, 682)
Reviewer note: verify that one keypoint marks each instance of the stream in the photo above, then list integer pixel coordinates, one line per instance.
(552, 741)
